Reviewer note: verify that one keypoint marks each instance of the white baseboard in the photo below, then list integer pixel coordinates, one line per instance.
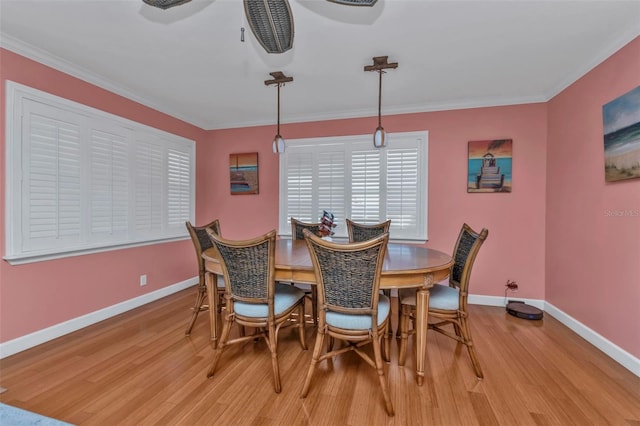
(478, 299)
(20, 344)
(612, 350)
(41, 336)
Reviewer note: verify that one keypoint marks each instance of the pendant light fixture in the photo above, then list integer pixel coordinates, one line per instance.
(380, 64)
(279, 79)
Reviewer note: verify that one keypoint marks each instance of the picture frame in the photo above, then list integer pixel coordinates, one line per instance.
(243, 173)
(621, 134)
(490, 165)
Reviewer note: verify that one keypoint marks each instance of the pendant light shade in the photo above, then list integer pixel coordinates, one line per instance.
(278, 144)
(379, 65)
(379, 138)
(279, 79)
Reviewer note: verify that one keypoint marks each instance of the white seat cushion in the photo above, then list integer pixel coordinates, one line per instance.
(440, 297)
(360, 322)
(285, 297)
(221, 282)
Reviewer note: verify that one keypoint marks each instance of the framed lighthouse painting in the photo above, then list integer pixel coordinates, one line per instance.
(489, 167)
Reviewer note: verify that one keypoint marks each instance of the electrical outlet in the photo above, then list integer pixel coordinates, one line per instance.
(143, 280)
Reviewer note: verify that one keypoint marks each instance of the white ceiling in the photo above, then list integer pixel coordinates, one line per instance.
(189, 62)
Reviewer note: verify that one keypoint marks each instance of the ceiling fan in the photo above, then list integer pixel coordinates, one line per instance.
(271, 21)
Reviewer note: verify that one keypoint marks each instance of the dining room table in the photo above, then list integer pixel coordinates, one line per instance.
(405, 266)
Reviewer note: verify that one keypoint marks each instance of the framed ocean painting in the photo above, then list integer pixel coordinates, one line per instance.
(489, 167)
(621, 122)
(243, 173)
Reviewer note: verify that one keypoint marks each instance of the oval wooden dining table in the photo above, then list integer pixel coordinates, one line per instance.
(405, 266)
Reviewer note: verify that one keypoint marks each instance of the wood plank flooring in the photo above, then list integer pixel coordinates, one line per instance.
(140, 369)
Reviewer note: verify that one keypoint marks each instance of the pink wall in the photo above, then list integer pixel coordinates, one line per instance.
(592, 252)
(38, 295)
(553, 221)
(516, 221)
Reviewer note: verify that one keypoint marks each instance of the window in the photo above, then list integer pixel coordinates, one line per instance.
(350, 178)
(80, 180)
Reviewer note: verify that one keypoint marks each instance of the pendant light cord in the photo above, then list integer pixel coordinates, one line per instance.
(380, 99)
(278, 128)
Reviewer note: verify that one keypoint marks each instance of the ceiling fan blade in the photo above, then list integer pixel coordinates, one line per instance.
(271, 22)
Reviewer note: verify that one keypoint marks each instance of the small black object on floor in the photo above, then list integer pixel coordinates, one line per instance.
(522, 310)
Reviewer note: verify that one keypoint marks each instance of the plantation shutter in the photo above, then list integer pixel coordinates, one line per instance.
(351, 179)
(366, 187)
(299, 187)
(82, 180)
(51, 178)
(149, 160)
(402, 201)
(331, 188)
(178, 186)
(109, 194)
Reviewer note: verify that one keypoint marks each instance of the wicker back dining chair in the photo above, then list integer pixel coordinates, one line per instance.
(254, 299)
(361, 232)
(297, 227)
(351, 307)
(448, 304)
(201, 242)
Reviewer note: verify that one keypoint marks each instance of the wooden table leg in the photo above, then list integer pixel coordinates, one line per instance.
(211, 281)
(422, 312)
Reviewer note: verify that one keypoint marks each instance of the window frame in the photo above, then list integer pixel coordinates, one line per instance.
(351, 144)
(93, 124)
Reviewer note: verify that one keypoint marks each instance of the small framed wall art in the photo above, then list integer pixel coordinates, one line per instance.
(489, 166)
(621, 122)
(243, 173)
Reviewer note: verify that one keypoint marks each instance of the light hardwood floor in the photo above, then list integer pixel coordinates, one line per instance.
(139, 368)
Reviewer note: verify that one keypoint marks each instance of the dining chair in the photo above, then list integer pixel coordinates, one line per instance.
(448, 303)
(351, 307)
(253, 298)
(361, 232)
(297, 227)
(201, 242)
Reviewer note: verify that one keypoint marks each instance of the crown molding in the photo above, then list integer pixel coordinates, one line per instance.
(36, 54)
(612, 48)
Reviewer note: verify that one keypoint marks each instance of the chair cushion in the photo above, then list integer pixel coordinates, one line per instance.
(221, 282)
(360, 322)
(440, 297)
(285, 297)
